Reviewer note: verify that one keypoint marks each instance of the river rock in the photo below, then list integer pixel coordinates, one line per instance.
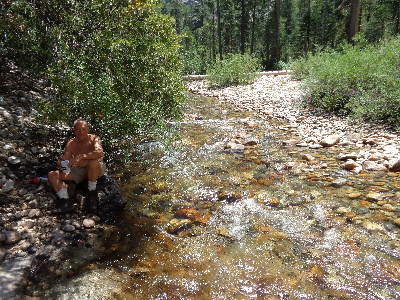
(250, 142)
(13, 160)
(88, 223)
(189, 213)
(373, 166)
(34, 212)
(176, 225)
(352, 155)
(330, 141)
(343, 210)
(110, 198)
(68, 228)
(373, 196)
(12, 237)
(237, 148)
(308, 157)
(8, 186)
(339, 182)
(395, 167)
(351, 165)
(372, 226)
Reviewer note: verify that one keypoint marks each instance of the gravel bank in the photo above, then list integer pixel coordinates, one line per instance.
(372, 147)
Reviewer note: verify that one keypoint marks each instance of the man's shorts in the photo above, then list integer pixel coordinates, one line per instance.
(80, 173)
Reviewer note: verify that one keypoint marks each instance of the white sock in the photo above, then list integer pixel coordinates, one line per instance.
(63, 194)
(92, 185)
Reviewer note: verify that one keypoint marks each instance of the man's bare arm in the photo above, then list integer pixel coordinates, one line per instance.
(97, 153)
(67, 152)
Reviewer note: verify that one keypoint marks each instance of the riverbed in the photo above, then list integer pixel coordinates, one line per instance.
(233, 205)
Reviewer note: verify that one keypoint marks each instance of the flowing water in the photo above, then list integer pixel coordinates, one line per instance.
(209, 221)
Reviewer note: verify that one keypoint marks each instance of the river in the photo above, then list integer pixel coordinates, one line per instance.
(227, 211)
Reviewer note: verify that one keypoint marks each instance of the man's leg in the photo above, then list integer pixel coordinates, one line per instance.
(94, 171)
(56, 180)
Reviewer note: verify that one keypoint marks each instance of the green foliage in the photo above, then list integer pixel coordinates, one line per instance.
(194, 55)
(116, 64)
(24, 33)
(361, 82)
(235, 69)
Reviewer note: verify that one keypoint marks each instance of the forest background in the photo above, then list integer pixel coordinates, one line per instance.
(277, 31)
(120, 64)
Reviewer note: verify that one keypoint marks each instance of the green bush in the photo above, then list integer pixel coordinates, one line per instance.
(116, 64)
(235, 69)
(360, 82)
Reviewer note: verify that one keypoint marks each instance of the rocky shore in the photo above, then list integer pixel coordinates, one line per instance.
(279, 97)
(33, 241)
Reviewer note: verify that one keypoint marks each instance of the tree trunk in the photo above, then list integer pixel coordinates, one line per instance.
(253, 28)
(308, 28)
(355, 6)
(219, 29)
(243, 27)
(212, 52)
(397, 21)
(276, 52)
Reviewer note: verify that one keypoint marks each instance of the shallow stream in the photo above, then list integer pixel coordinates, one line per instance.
(253, 219)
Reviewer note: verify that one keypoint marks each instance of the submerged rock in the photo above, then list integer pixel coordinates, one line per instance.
(176, 225)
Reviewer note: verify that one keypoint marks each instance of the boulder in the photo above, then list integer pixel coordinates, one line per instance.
(330, 141)
(395, 167)
(110, 199)
(351, 165)
(373, 166)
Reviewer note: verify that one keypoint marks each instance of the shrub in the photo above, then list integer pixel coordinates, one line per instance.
(235, 69)
(116, 64)
(360, 82)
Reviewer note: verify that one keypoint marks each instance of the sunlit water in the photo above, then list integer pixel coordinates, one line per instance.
(262, 230)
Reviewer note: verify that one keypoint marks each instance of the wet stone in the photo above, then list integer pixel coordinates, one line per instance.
(373, 196)
(176, 225)
(343, 210)
(372, 226)
(354, 195)
(339, 182)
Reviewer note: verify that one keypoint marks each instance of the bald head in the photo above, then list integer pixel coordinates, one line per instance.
(80, 123)
(81, 130)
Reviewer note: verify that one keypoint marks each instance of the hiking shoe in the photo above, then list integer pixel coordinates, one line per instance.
(92, 202)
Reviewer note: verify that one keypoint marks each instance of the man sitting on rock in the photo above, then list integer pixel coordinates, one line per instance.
(84, 154)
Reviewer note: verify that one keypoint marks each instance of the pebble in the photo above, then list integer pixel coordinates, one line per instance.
(339, 182)
(68, 228)
(372, 226)
(88, 223)
(8, 186)
(373, 196)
